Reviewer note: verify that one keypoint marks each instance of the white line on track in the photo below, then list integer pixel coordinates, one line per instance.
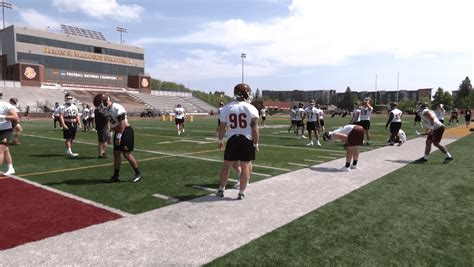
(167, 198)
(298, 164)
(305, 148)
(159, 153)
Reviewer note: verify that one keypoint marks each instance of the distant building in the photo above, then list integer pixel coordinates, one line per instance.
(74, 56)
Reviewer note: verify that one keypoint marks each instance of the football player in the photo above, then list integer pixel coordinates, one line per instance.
(299, 121)
(417, 119)
(55, 115)
(241, 118)
(454, 116)
(221, 105)
(103, 132)
(69, 119)
(467, 116)
(293, 118)
(435, 133)
(85, 117)
(365, 113)
(321, 119)
(179, 118)
(395, 121)
(263, 115)
(356, 114)
(8, 115)
(16, 124)
(312, 123)
(440, 112)
(123, 135)
(352, 136)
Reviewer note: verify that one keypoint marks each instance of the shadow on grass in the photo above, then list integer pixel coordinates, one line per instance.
(47, 155)
(324, 169)
(80, 182)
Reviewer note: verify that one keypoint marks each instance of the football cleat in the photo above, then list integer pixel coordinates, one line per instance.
(241, 196)
(220, 193)
(447, 159)
(137, 177)
(72, 155)
(421, 160)
(354, 167)
(9, 171)
(345, 169)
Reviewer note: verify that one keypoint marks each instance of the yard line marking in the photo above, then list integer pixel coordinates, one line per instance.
(314, 160)
(324, 157)
(232, 180)
(193, 141)
(334, 154)
(204, 188)
(298, 164)
(165, 142)
(261, 174)
(163, 153)
(167, 198)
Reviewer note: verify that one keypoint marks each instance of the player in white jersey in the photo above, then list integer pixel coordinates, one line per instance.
(18, 130)
(179, 114)
(85, 117)
(435, 133)
(69, 118)
(241, 120)
(440, 113)
(356, 114)
(395, 121)
(221, 105)
(299, 121)
(263, 115)
(401, 137)
(123, 135)
(55, 115)
(365, 113)
(293, 118)
(352, 136)
(311, 115)
(8, 115)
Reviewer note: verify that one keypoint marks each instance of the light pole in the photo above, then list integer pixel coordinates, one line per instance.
(398, 83)
(121, 30)
(375, 101)
(4, 5)
(243, 55)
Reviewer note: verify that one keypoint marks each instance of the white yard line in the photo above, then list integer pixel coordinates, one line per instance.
(167, 198)
(324, 157)
(314, 160)
(298, 164)
(204, 188)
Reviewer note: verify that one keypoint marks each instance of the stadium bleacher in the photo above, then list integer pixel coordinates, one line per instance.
(167, 103)
(39, 99)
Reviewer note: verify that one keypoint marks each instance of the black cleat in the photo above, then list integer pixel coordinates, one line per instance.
(447, 159)
(220, 193)
(137, 177)
(114, 179)
(241, 196)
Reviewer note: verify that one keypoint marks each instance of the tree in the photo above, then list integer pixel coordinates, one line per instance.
(257, 94)
(347, 99)
(406, 105)
(465, 89)
(442, 97)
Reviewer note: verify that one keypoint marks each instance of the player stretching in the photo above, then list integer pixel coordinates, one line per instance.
(352, 136)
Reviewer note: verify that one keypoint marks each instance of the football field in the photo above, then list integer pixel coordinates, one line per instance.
(417, 214)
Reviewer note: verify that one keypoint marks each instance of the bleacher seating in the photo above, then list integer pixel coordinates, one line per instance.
(39, 99)
(130, 104)
(167, 103)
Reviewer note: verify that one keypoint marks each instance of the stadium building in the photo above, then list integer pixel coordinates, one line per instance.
(74, 57)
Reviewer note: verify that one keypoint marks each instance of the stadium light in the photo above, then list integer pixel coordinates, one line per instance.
(4, 5)
(243, 55)
(121, 30)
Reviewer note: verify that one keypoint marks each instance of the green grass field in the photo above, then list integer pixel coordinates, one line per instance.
(422, 214)
(171, 165)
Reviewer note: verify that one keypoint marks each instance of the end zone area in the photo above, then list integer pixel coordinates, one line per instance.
(30, 213)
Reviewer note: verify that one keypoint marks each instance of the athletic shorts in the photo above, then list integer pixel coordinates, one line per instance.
(467, 118)
(299, 123)
(321, 122)
(264, 118)
(179, 121)
(70, 133)
(311, 125)
(437, 135)
(126, 142)
(239, 147)
(395, 127)
(356, 136)
(293, 122)
(365, 124)
(218, 122)
(6, 136)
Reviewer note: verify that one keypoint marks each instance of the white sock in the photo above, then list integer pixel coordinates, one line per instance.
(241, 191)
(69, 151)
(448, 155)
(221, 188)
(10, 166)
(425, 157)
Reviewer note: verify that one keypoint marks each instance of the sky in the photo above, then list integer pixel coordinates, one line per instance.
(367, 45)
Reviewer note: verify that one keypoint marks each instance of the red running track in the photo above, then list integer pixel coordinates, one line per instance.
(30, 213)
